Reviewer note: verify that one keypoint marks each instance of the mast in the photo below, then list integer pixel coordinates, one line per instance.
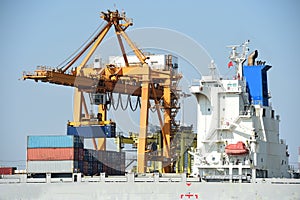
(239, 58)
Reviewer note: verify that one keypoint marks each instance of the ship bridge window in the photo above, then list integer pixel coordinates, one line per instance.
(262, 160)
(272, 114)
(264, 112)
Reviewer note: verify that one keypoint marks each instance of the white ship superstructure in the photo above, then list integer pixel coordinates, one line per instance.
(237, 129)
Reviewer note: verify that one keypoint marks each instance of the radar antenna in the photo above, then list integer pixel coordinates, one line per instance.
(239, 58)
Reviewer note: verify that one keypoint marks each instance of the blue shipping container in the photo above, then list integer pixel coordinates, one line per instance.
(95, 131)
(54, 141)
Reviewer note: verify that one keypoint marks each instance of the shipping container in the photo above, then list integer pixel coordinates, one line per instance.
(64, 166)
(80, 166)
(88, 168)
(111, 157)
(113, 162)
(7, 170)
(107, 170)
(54, 141)
(80, 154)
(100, 167)
(87, 155)
(54, 154)
(112, 171)
(90, 155)
(95, 131)
(110, 162)
(95, 168)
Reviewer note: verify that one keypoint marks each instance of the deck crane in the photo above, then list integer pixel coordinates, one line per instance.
(132, 79)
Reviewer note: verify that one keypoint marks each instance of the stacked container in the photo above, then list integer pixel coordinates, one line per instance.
(65, 154)
(90, 164)
(110, 162)
(54, 154)
(113, 163)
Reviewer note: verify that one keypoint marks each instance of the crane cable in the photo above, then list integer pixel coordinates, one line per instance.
(72, 56)
(121, 102)
(152, 108)
(138, 103)
(108, 105)
(113, 103)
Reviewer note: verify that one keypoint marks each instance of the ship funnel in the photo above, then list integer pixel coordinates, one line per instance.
(252, 57)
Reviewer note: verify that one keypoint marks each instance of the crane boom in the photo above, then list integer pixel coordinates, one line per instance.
(134, 80)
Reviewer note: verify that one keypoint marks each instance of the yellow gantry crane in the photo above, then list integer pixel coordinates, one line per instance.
(132, 79)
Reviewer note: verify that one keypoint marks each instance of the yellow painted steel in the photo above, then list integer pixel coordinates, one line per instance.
(167, 125)
(122, 49)
(141, 157)
(86, 112)
(79, 102)
(101, 144)
(77, 105)
(94, 47)
(102, 141)
(136, 50)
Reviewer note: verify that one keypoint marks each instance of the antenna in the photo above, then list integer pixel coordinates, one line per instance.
(212, 68)
(239, 58)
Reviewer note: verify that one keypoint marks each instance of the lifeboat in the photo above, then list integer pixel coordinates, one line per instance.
(236, 149)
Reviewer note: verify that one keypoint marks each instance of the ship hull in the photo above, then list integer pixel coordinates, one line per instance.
(194, 190)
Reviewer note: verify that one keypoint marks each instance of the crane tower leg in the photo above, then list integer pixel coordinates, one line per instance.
(102, 141)
(141, 158)
(167, 127)
(77, 105)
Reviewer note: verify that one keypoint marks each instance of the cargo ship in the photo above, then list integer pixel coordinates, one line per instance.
(236, 152)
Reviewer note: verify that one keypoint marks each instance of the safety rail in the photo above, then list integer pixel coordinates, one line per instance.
(139, 178)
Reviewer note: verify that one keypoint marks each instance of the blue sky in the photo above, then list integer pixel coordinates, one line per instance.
(35, 32)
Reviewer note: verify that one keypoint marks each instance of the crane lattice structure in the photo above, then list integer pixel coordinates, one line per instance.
(132, 79)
